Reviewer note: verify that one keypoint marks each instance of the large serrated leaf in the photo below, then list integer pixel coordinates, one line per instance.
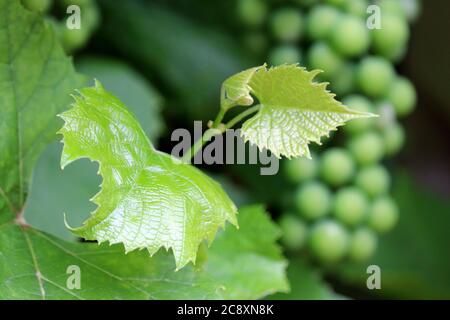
(34, 265)
(35, 81)
(130, 87)
(248, 261)
(244, 264)
(148, 199)
(294, 110)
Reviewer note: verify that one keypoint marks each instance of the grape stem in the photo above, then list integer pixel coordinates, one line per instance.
(217, 128)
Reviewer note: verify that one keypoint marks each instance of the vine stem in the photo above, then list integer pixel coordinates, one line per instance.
(217, 128)
(230, 124)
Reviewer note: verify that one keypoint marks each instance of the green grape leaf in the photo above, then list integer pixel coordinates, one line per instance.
(294, 111)
(248, 262)
(236, 90)
(34, 265)
(131, 88)
(35, 81)
(148, 199)
(244, 264)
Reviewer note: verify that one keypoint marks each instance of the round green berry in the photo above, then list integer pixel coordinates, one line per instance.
(344, 81)
(321, 21)
(367, 148)
(300, 169)
(322, 57)
(337, 166)
(403, 96)
(394, 138)
(90, 16)
(363, 243)
(350, 37)
(286, 24)
(329, 241)
(73, 39)
(357, 7)
(350, 206)
(294, 231)
(383, 214)
(252, 12)
(358, 103)
(390, 40)
(374, 180)
(312, 200)
(374, 76)
(391, 7)
(284, 54)
(37, 5)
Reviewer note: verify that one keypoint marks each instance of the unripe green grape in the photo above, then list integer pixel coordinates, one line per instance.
(350, 37)
(294, 231)
(286, 24)
(383, 214)
(391, 7)
(321, 56)
(363, 243)
(374, 76)
(329, 241)
(374, 180)
(390, 41)
(403, 96)
(252, 12)
(73, 39)
(367, 148)
(344, 81)
(284, 54)
(312, 200)
(357, 7)
(336, 166)
(350, 206)
(394, 138)
(90, 16)
(37, 5)
(300, 169)
(321, 21)
(358, 103)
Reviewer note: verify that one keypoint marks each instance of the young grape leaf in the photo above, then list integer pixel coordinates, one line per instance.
(294, 110)
(35, 265)
(35, 81)
(148, 199)
(248, 261)
(236, 90)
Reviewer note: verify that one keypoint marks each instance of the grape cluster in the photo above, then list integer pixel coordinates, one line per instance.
(341, 200)
(71, 39)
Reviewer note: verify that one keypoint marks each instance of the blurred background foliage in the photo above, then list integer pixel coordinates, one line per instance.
(166, 61)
